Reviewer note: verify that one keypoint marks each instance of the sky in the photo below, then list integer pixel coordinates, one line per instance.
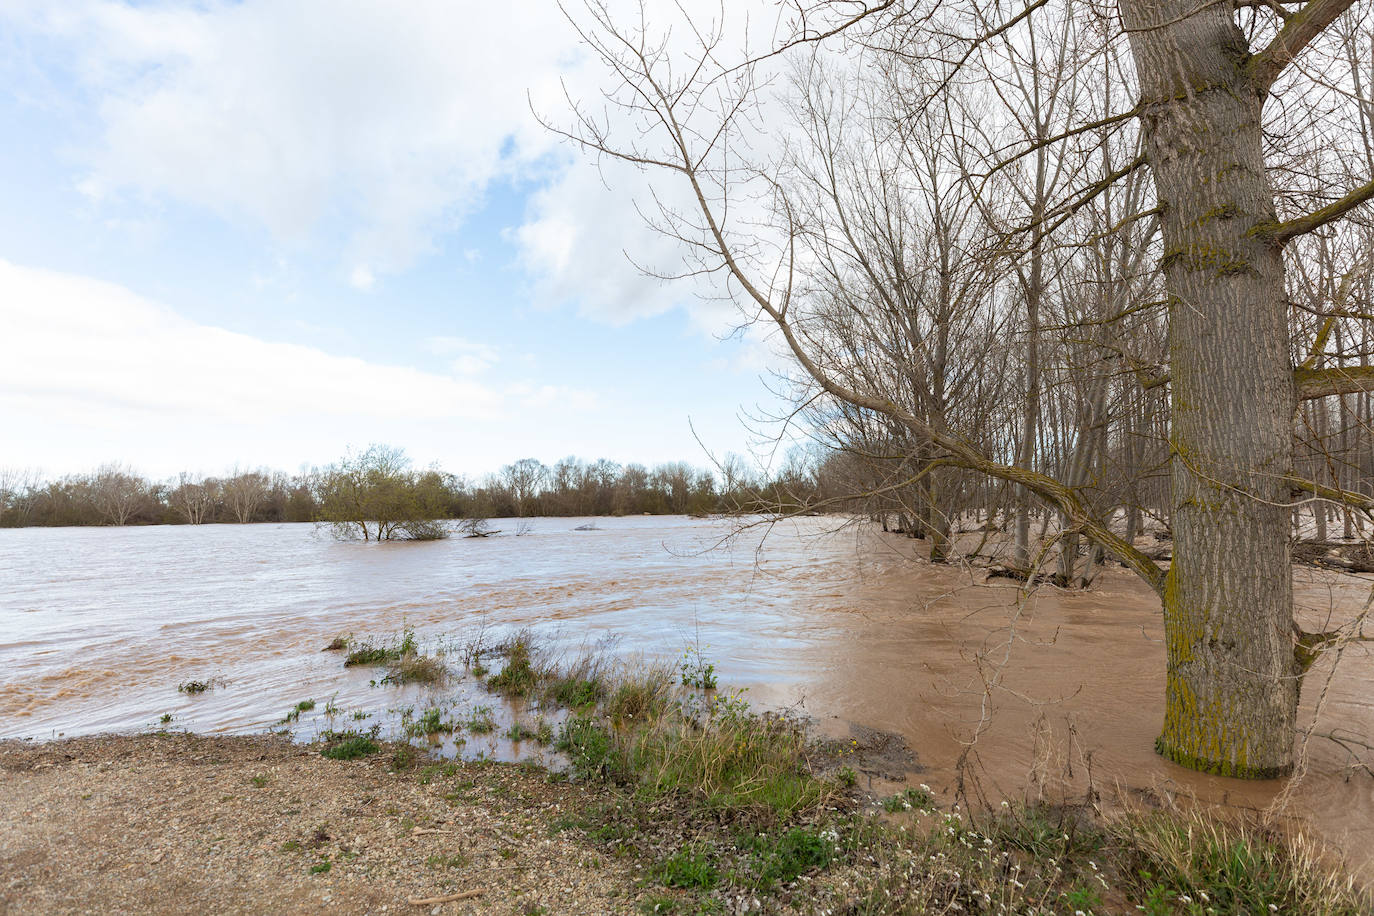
(262, 233)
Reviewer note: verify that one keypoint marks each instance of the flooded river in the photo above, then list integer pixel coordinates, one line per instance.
(1058, 690)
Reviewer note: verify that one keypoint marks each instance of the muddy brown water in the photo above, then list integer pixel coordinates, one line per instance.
(1055, 691)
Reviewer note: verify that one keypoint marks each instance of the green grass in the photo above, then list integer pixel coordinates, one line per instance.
(734, 761)
(431, 723)
(689, 868)
(480, 721)
(783, 857)
(575, 692)
(641, 696)
(518, 678)
(351, 748)
(416, 669)
(369, 653)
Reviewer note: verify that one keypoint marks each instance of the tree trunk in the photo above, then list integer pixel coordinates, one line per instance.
(1231, 688)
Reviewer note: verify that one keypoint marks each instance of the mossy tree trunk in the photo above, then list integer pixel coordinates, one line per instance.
(1231, 692)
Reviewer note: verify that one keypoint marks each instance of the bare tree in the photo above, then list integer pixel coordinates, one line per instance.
(243, 493)
(194, 500)
(118, 494)
(1206, 80)
(524, 479)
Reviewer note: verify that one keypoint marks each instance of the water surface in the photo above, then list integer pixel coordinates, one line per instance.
(1056, 692)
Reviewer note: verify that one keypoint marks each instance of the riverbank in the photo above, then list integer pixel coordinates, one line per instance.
(175, 823)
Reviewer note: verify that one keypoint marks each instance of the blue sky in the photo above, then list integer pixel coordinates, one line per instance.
(259, 233)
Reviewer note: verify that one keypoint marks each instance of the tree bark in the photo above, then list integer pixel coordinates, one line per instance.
(1231, 688)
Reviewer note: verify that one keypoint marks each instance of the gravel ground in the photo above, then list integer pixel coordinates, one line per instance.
(198, 824)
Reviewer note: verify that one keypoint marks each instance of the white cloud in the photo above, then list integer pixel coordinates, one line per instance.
(76, 341)
(389, 118)
(467, 357)
(374, 127)
(361, 278)
(534, 395)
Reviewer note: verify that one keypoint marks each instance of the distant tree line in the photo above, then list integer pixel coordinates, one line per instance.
(378, 483)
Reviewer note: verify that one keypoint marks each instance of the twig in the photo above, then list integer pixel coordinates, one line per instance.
(446, 898)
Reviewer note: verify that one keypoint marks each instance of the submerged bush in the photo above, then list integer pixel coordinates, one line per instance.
(518, 677)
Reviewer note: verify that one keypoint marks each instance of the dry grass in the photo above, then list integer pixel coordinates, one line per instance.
(1232, 865)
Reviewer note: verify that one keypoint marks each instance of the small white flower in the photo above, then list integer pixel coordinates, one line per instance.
(1185, 899)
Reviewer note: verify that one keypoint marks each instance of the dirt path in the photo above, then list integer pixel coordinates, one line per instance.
(190, 824)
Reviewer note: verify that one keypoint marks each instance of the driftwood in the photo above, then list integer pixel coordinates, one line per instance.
(446, 898)
(1021, 574)
(1349, 556)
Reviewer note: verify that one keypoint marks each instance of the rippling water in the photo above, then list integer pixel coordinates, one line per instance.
(98, 626)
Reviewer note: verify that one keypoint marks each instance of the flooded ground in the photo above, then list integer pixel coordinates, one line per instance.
(1061, 691)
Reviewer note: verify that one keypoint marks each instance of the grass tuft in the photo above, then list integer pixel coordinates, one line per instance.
(1236, 867)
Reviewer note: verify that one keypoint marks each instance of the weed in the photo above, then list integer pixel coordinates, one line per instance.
(194, 687)
(431, 723)
(696, 671)
(291, 846)
(519, 731)
(732, 761)
(575, 693)
(1082, 899)
(295, 713)
(896, 803)
(166, 717)
(781, 859)
(259, 781)
(518, 678)
(590, 748)
(416, 669)
(351, 749)
(1046, 832)
(847, 777)
(403, 757)
(321, 867)
(338, 644)
(643, 695)
(480, 721)
(687, 867)
(368, 653)
(1232, 867)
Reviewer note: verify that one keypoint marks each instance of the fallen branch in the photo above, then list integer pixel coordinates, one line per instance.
(446, 898)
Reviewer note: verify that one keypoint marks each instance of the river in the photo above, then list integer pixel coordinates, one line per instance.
(98, 627)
